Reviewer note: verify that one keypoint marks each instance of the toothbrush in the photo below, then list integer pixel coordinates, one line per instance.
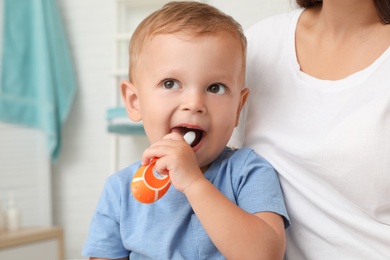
(147, 185)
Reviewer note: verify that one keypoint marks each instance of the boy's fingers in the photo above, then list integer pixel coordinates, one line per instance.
(173, 136)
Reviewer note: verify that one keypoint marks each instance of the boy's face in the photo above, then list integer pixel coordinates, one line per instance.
(184, 82)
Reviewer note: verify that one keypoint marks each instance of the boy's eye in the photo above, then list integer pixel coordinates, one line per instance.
(217, 89)
(170, 84)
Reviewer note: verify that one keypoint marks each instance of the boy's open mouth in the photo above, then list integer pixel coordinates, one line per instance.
(183, 130)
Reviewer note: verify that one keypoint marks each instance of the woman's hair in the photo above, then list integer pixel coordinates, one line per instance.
(382, 8)
(185, 16)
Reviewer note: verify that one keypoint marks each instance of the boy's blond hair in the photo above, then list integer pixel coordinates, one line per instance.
(186, 16)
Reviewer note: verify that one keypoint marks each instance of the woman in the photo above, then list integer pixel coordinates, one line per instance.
(319, 111)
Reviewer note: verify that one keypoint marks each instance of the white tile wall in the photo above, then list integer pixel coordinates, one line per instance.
(84, 163)
(25, 174)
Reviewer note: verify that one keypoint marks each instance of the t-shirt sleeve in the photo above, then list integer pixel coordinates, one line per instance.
(104, 239)
(259, 188)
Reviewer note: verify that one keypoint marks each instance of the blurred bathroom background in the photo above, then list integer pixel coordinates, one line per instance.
(62, 190)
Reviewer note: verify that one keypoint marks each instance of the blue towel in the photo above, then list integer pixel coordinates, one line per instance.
(38, 83)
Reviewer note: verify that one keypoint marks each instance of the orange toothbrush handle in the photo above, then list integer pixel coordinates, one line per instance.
(146, 186)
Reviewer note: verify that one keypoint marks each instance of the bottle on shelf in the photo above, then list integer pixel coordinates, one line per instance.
(2, 218)
(12, 214)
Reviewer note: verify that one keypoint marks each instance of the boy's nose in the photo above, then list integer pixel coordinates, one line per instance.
(194, 102)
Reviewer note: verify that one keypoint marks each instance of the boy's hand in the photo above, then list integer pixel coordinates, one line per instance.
(175, 158)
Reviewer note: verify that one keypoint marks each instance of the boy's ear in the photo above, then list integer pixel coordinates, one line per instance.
(131, 101)
(244, 97)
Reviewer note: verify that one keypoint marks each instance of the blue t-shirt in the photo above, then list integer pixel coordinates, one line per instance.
(169, 229)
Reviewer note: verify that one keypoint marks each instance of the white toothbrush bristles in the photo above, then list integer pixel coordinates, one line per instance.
(189, 137)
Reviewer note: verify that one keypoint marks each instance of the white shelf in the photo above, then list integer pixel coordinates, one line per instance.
(32, 244)
(123, 36)
(129, 14)
(119, 73)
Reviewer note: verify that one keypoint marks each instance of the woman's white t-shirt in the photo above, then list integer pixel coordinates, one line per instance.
(329, 141)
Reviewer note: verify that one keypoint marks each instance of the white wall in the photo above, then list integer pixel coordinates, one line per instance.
(25, 175)
(84, 162)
